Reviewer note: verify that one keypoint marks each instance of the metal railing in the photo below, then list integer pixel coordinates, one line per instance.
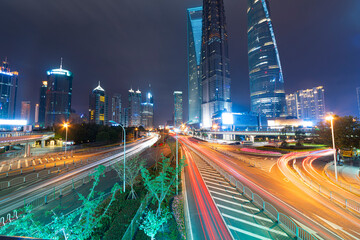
(266, 207)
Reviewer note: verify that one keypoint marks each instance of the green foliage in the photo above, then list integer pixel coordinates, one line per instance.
(79, 224)
(346, 131)
(151, 222)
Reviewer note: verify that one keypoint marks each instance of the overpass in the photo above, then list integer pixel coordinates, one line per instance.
(27, 139)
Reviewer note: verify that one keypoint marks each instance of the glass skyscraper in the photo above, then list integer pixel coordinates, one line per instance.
(98, 108)
(215, 71)
(58, 96)
(358, 98)
(42, 104)
(266, 79)
(147, 112)
(116, 108)
(8, 91)
(178, 108)
(194, 28)
(134, 108)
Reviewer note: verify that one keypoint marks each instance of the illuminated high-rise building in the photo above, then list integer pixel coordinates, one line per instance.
(42, 104)
(98, 108)
(36, 116)
(134, 108)
(358, 99)
(58, 96)
(215, 71)
(178, 108)
(194, 28)
(8, 91)
(25, 110)
(266, 78)
(307, 104)
(116, 108)
(147, 112)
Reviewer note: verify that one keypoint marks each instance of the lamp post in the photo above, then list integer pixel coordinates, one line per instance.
(124, 133)
(331, 119)
(66, 125)
(177, 162)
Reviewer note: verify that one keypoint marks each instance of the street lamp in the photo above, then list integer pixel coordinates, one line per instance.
(66, 125)
(124, 133)
(177, 161)
(331, 119)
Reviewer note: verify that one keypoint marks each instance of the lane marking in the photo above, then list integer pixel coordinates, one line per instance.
(238, 204)
(40, 161)
(213, 176)
(33, 162)
(248, 233)
(246, 214)
(225, 190)
(2, 166)
(18, 166)
(210, 179)
(220, 185)
(26, 163)
(256, 225)
(230, 196)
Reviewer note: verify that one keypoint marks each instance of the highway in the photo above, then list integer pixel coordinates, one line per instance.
(288, 193)
(15, 199)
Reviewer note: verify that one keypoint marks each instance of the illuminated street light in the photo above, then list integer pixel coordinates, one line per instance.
(66, 125)
(331, 119)
(124, 133)
(215, 127)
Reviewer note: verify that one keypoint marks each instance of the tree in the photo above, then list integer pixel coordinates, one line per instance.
(151, 222)
(346, 132)
(299, 137)
(79, 224)
(132, 171)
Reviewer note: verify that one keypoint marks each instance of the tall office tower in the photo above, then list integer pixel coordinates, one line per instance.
(125, 117)
(147, 112)
(178, 108)
(8, 91)
(98, 108)
(309, 104)
(58, 96)
(42, 104)
(116, 108)
(134, 108)
(266, 79)
(25, 110)
(215, 71)
(358, 98)
(36, 117)
(194, 28)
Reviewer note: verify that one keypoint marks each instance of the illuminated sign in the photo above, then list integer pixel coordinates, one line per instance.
(11, 122)
(59, 72)
(227, 118)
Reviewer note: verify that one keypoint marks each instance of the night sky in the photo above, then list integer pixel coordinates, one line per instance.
(134, 43)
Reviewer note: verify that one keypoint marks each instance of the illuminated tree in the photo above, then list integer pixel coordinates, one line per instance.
(151, 222)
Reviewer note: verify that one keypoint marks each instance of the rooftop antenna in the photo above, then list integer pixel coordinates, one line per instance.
(61, 63)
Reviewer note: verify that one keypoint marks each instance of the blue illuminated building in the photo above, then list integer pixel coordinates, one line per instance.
(8, 91)
(214, 62)
(58, 96)
(147, 112)
(194, 28)
(265, 73)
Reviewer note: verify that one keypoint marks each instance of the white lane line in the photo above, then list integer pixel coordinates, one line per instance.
(238, 204)
(253, 235)
(245, 213)
(33, 162)
(208, 171)
(230, 196)
(40, 161)
(210, 179)
(2, 166)
(221, 185)
(26, 163)
(18, 166)
(212, 176)
(255, 225)
(224, 190)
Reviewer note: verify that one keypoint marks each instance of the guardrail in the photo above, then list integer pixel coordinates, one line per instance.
(67, 187)
(340, 183)
(266, 207)
(333, 196)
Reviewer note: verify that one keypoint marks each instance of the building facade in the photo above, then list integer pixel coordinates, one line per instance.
(266, 78)
(134, 108)
(215, 73)
(307, 104)
(178, 108)
(125, 117)
(36, 116)
(58, 96)
(42, 104)
(358, 99)
(147, 112)
(194, 29)
(8, 91)
(116, 108)
(98, 108)
(25, 110)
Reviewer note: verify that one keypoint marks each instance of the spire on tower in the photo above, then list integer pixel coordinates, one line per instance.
(61, 63)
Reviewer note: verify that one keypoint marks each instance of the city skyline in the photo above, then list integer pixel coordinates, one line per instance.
(316, 70)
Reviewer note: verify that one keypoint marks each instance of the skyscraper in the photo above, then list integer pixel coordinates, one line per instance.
(178, 108)
(98, 108)
(116, 108)
(58, 96)
(134, 108)
(214, 62)
(194, 28)
(42, 104)
(358, 98)
(8, 91)
(307, 104)
(266, 79)
(147, 112)
(36, 117)
(25, 110)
